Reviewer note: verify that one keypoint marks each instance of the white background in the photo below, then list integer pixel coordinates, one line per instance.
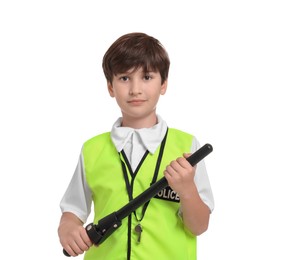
(225, 87)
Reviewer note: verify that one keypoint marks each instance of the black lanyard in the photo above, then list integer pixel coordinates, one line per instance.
(129, 186)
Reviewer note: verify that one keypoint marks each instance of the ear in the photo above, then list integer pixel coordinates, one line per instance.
(163, 88)
(110, 89)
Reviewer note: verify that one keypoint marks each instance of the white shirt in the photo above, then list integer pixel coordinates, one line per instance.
(78, 197)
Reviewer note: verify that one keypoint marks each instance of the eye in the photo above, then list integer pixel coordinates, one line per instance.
(147, 77)
(124, 78)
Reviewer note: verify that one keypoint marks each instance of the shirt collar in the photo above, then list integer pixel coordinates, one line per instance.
(150, 137)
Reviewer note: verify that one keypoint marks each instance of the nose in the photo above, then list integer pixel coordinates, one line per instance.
(135, 87)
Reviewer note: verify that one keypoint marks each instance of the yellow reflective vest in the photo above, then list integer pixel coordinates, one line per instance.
(163, 233)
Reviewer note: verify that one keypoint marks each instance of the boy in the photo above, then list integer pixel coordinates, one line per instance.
(117, 166)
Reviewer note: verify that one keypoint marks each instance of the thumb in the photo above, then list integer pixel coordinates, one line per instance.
(186, 155)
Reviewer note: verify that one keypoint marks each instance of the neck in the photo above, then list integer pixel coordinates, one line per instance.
(138, 123)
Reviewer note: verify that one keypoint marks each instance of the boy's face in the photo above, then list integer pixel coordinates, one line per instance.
(137, 94)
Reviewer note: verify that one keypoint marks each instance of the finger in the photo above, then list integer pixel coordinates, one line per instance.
(85, 237)
(86, 240)
(184, 163)
(186, 155)
(176, 165)
(70, 251)
(81, 246)
(78, 246)
(170, 170)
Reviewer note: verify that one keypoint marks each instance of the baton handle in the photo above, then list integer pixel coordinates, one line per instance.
(113, 221)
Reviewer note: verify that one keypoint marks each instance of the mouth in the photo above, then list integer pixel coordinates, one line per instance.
(136, 102)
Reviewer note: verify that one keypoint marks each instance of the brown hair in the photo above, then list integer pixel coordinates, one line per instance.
(134, 51)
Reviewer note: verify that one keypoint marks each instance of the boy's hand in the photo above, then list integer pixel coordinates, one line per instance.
(73, 236)
(180, 175)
